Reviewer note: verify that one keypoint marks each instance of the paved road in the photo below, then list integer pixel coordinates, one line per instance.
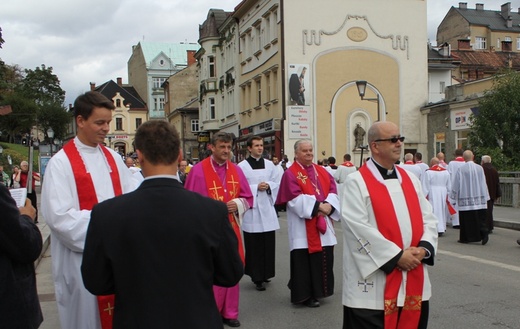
(474, 286)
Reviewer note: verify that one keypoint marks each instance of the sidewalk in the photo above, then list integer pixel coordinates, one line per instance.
(505, 217)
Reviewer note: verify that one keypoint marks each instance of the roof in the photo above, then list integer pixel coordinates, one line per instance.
(490, 18)
(130, 95)
(213, 21)
(487, 59)
(175, 51)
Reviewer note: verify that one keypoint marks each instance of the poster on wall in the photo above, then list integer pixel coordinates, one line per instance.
(298, 80)
(299, 122)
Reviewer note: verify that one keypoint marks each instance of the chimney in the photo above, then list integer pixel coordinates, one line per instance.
(509, 22)
(464, 44)
(463, 5)
(120, 81)
(505, 10)
(191, 57)
(92, 86)
(479, 6)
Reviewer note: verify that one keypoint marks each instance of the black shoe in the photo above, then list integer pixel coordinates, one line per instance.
(485, 240)
(267, 280)
(456, 227)
(460, 241)
(231, 322)
(260, 286)
(312, 302)
(518, 241)
(441, 233)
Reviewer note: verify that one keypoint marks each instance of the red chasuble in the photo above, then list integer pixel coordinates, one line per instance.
(218, 192)
(87, 199)
(388, 225)
(307, 187)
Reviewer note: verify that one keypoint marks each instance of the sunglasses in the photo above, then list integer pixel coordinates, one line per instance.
(392, 139)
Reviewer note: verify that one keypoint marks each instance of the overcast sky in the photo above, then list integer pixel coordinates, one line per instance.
(86, 41)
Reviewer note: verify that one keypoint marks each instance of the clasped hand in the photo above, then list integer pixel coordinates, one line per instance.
(411, 258)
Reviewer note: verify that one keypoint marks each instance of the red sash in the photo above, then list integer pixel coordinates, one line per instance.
(87, 199)
(347, 164)
(307, 187)
(217, 192)
(387, 224)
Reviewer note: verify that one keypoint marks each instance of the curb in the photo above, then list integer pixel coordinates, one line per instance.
(506, 224)
(46, 237)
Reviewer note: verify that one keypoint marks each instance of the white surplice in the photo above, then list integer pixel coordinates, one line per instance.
(436, 185)
(60, 208)
(469, 187)
(413, 168)
(262, 217)
(453, 167)
(365, 249)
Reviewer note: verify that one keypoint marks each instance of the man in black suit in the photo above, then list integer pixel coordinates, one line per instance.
(161, 248)
(20, 246)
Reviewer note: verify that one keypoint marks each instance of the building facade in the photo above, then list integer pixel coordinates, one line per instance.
(481, 29)
(149, 67)
(129, 114)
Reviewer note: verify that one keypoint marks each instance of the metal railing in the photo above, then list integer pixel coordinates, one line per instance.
(510, 186)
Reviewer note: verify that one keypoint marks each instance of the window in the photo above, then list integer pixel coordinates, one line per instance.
(267, 87)
(138, 122)
(212, 108)
(119, 123)
(118, 103)
(498, 43)
(195, 125)
(259, 39)
(267, 31)
(161, 103)
(508, 39)
(518, 43)
(259, 92)
(157, 82)
(480, 43)
(211, 66)
(442, 86)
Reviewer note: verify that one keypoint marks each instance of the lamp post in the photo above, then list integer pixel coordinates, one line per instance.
(50, 133)
(362, 86)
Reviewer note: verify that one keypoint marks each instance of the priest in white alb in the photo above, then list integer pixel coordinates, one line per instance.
(389, 238)
(436, 185)
(79, 176)
(260, 222)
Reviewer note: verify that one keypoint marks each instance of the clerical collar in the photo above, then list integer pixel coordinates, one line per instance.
(256, 163)
(387, 174)
(218, 164)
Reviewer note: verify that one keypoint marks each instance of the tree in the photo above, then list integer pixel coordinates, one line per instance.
(55, 117)
(21, 120)
(495, 129)
(42, 86)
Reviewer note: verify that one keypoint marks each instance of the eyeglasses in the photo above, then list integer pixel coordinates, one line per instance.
(392, 139)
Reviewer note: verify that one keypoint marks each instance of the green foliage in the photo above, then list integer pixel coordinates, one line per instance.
(21, 119)
(18, 153)
(55, 117)
(495, 130)
(42, 86)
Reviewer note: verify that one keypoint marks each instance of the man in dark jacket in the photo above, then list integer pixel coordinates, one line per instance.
(161, 248)
(20, 246)
(493, 185)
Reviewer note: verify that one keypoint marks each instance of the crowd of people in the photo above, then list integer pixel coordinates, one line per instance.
(154, 241)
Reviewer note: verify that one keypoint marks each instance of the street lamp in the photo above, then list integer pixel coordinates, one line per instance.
(50, 133)
(362, 86)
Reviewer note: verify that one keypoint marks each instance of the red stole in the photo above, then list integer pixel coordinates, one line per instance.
(388, 225)
(307, 187)
(217, 192)
(460, 159)
(87, 199)
(347, 164)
